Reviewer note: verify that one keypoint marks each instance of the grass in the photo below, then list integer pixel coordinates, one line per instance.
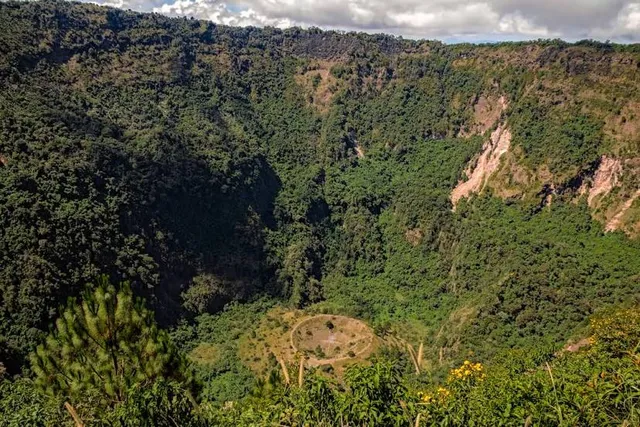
(271, 339)
(204, 354)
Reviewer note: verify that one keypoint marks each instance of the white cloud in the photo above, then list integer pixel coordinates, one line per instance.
(469, 18)
(515, 23)
(220, 13)
(460, 19)
(629, 20)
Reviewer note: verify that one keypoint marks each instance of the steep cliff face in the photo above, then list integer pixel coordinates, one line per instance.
(611, 191)
(179, 154)
(573, 129)
(604, 180)
(485, 166)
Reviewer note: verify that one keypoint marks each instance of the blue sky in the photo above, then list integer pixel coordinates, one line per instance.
(447, 20)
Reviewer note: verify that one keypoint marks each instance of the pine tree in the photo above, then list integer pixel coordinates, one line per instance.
(104, 345)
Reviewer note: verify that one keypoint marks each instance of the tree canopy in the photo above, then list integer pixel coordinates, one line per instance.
(222, 173)
(103, 346)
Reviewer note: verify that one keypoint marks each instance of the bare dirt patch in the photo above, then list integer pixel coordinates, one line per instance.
(330, 338)
(605, 178)
(485, 166)
(486, 113)
(273, 338)
(612, 193)
(576, 346)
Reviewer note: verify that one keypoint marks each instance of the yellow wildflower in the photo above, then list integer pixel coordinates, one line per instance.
(468, 370)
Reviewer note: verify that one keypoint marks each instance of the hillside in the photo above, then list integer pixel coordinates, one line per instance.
(473, 198)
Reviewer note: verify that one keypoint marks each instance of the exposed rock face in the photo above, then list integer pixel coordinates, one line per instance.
(485, 166)
(605, 179)
(613, 173)
(609, 176)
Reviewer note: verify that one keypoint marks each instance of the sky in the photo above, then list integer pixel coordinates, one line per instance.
(446, 20)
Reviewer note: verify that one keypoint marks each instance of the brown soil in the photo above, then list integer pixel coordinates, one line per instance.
(487, 112)
(613, 173)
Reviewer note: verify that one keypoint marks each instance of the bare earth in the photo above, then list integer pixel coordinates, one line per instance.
(347, 339)
(605, 178)
(487, 164)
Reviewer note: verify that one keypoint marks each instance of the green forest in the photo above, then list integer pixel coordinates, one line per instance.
(177, 196)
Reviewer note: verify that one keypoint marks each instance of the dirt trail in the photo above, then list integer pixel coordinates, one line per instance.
(313, 361)
(615, 222)
(487, 164)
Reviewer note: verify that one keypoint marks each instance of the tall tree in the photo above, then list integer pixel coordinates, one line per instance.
(103, 346)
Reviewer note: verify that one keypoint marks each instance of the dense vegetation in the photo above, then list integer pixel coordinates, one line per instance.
(222, 171)
(598, 386)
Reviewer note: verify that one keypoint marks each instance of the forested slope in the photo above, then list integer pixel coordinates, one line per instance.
(207, 164)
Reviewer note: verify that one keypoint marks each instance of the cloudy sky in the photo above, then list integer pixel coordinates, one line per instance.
(448, 20)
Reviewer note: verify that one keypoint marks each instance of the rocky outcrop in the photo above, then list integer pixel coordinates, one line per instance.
(610, 175)
(606, 178)
(487, 164)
